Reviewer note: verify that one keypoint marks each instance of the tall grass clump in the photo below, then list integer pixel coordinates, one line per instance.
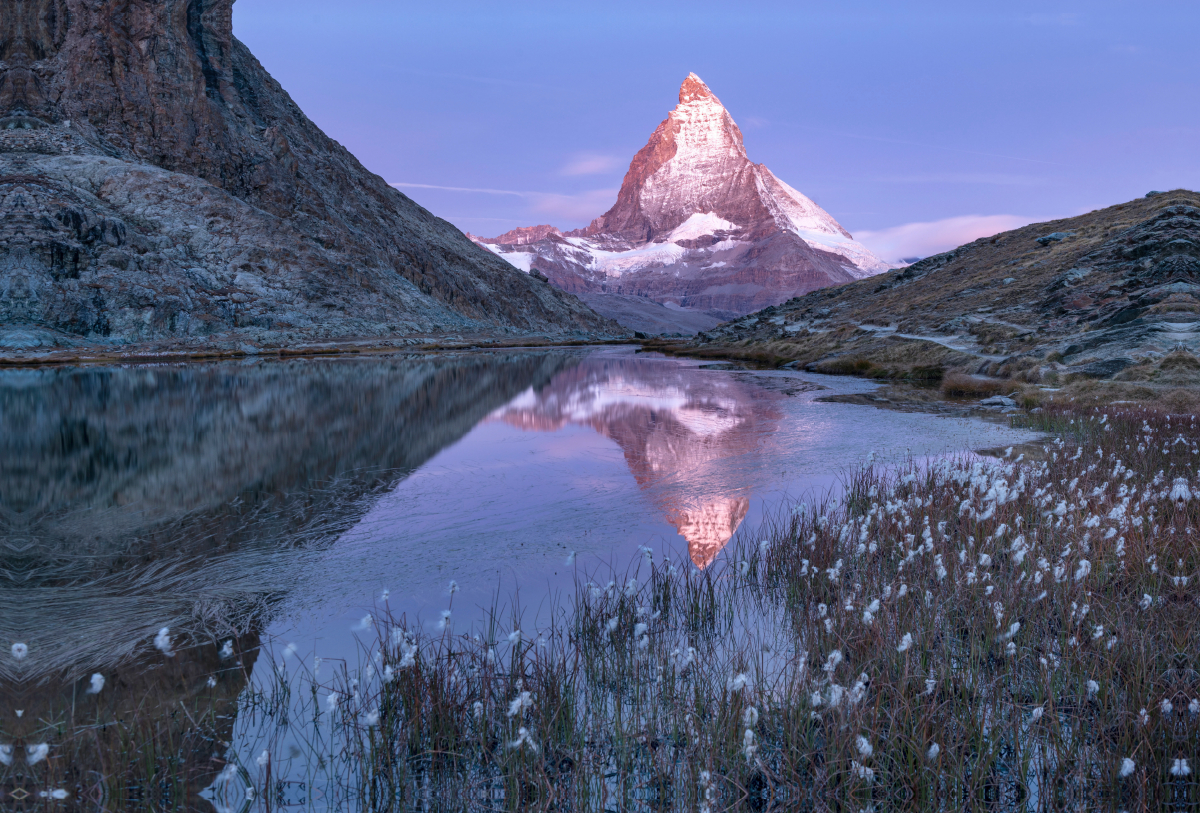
(971, 634)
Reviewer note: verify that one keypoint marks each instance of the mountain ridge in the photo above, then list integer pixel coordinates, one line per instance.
(157, 184)
(1111, 294)
(696, 225)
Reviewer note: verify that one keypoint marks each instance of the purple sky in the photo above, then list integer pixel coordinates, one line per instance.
(918, 126)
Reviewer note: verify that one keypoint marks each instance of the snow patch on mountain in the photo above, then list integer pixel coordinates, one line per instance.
(701, 225)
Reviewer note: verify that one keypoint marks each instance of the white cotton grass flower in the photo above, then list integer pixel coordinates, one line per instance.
(750, 717)
(371, 718)
(1146, 601)
(738, 682)
(570, 558)
(514, 637)
(1144, 717)
(859, 690)
(862, 771)
(831, 662)
(521, 702)
(930, 685)
(1092, 688)
(1194, 706)
(1128, 766)
(227, 650)
(1180, 490)
(444, 621)
(933, 752)
(749, 745)
(863, 746)
(1167, 706)
(20, 651)
(6, 755)
(1010, 649)
(477, 710)
(905, 643)
(36, 753)
(331, 702)
(264, 759)
(1036, 714)
(95, 683)
(523, 739)
(1082, 569)
(1180, 767)
(454, 588)
(162, 642)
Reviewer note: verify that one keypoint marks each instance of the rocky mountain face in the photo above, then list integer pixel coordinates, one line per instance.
(1113, 294)
(157, 184)
(696, 225)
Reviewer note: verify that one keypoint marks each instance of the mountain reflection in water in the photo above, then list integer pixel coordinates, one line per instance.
(679, 429)
(189, 497)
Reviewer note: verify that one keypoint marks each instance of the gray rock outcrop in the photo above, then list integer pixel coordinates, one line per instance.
(157, 184)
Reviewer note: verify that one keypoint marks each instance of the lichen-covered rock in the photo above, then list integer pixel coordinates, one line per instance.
(156, 183)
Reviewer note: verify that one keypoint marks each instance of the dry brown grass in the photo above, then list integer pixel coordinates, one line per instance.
(959, 385)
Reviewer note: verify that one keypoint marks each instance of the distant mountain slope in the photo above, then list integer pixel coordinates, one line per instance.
(156, 183)
(698, 225)
(1109, 293)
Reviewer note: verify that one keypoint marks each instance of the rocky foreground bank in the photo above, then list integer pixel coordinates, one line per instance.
(158, 186)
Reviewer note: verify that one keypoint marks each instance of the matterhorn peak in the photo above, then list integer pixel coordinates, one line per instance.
(698, 225)
(693, 89)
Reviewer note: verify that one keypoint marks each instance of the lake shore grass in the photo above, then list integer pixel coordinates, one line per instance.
(967, 635)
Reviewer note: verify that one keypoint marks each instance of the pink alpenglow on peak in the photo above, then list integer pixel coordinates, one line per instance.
(696, 226)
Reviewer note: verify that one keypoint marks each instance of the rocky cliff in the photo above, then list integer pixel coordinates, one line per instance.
(696, 225)
(1114, 293)
(156, 183)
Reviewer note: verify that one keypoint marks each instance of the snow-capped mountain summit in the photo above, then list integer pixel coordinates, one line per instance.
(697, 225)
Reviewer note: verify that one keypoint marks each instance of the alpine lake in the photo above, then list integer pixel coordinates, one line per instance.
(194, 555)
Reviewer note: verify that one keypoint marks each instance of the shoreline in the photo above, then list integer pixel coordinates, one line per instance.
(148, 354)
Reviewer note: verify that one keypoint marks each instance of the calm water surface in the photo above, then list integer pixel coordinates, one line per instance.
(282, 501)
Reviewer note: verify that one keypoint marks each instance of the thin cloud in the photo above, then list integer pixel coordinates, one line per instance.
(582, 207)
(925, 239)
(590, 163)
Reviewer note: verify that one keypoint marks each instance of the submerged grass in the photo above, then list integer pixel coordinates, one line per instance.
(965, 635)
